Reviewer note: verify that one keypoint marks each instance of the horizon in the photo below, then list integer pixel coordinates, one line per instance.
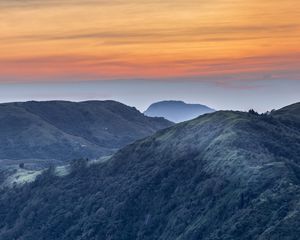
(224, 54)
(261, 96)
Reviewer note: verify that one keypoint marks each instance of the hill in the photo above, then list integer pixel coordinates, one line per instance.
(223, 176)
(177, 111)
(61, 130)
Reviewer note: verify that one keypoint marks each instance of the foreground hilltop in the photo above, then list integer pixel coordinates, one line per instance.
(225, 176)
(62, 130)
(177, 111)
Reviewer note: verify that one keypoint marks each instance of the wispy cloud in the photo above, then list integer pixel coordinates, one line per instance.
(54, 3)
(212, 33)
(230, 39)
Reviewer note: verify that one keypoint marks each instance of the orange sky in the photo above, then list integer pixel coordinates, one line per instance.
(116, 39)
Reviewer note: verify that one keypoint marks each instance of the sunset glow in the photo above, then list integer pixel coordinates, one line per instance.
(113, 39)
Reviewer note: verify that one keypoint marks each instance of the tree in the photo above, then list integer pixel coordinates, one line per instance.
(252, 112)
(79, 165)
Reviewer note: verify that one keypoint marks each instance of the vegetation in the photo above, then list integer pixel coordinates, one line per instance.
(22, 165)
(223, 176)
(61, 131)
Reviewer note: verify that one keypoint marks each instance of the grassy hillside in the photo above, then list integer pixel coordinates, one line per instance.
(63, 130)
(225, 176)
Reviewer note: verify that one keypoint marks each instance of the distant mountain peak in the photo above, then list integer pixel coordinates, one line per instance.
(177, 111)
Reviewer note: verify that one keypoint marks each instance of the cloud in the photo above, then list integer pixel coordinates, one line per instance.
(151, 39)
(54, 3)
(134, 36)
(219, 71)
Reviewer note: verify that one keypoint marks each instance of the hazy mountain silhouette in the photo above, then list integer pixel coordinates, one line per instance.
(64, 130)
(226, 176)
(177, 111)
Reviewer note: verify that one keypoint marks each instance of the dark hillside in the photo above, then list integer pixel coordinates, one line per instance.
(225, 176)
(61, 130)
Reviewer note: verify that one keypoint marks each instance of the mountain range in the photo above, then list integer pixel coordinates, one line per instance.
(226, 175)
(61, 130)
(177, 111)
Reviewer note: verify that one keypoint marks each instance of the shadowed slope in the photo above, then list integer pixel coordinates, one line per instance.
(225, 175)
(64, 130)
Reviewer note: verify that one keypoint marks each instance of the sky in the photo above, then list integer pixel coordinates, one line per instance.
(227, 53)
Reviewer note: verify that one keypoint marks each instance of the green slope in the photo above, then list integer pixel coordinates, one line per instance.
(63, 130)
(225, 175)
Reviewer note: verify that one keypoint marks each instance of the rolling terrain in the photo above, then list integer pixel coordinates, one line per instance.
(222, 176)
(61, 130)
